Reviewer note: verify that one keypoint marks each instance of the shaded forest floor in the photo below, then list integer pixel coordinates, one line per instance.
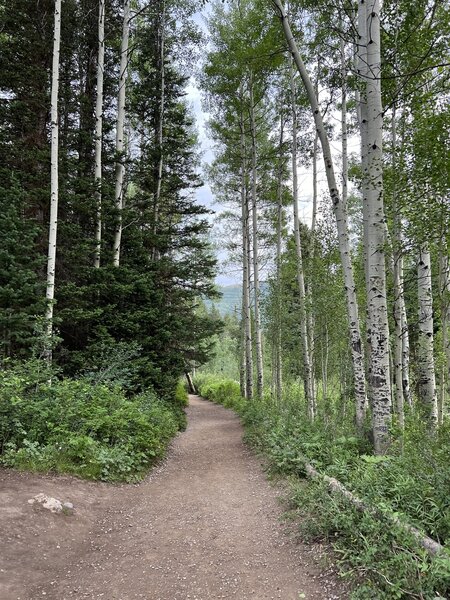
(204, 525)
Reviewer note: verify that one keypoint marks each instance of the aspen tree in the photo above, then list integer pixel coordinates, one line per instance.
(361, 105)
(401, 335)
(120, 132)
(425, 359)
(246, 316)
(159, 131)
(309, 390)
(344, 134)
(256, 286)
(98, 129)
(312, 249)
(444, 292)
(54, 195)
(278, 358)
(341, 222)
(377, 329)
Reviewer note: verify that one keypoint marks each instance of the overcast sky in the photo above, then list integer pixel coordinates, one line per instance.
(305, 179)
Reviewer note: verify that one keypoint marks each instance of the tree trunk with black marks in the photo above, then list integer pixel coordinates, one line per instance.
(54, 189)
(256, 288)
(120, 133)
(309, 390)
(425, 358)
(377, 327)
(341, 222)
(99, 130)
(246, 316)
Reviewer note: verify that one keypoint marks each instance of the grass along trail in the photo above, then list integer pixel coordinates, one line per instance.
(205, 525)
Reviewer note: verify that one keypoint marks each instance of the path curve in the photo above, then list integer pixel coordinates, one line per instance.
(204, 526)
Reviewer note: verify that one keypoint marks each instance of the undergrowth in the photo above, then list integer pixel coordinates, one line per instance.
(412, 482)
(75, 426)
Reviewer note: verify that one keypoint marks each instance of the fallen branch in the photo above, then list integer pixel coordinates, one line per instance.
(430, 545)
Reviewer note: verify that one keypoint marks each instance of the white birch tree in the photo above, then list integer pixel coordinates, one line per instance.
(377, 328)
(159, 134)
(246, 316)
(307, 367)
(120, 132)
(341, 222)
(54, 173)
(99, 130)
(444, 293)
(277, 344)
(425, 359)
(256, 286)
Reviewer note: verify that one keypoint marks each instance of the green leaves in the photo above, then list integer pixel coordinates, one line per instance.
(76, 427)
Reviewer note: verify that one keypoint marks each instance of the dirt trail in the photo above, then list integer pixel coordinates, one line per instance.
(203, 526)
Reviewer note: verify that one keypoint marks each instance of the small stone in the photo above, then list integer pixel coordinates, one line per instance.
(52, 504)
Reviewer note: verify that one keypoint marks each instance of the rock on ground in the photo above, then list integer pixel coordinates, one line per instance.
(204, 525)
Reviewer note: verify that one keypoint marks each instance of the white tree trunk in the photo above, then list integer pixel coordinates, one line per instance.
(257, 299)
(278, 358)
(159, 136)
(53, 226)
(312, 248)
(98, 130)
(341, 222)
(314, 173)
(120, 132)
(378, 328)
(444, 290)
(361, 104)
(325, 367)
(401, 334)
(425, 359)
(398, 289)
(309, 390)
(344, 134)
(246, 316)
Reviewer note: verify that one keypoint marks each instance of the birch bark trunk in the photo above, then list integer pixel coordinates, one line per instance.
(309, 391)
(256, 288)
(378, 328)
(344, 134)
(159, 132)
(444, 287)
(341, 222)
(312, 247)
(401, 335)
(54, 191)
(426, 373)
(98, 130)
(120, 129)
(246, 316)
(361, 102)
(278, 359)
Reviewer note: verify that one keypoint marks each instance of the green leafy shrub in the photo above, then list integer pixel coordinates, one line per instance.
(181, 395)
(222, 391)
(73, 426)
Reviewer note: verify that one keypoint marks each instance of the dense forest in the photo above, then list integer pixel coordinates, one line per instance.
(105, 255)
(330, 124)
(341, 351)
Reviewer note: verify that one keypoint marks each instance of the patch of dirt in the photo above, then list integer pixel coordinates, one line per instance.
(204, 525)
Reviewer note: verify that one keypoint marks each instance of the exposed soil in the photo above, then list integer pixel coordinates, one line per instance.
(204, 525)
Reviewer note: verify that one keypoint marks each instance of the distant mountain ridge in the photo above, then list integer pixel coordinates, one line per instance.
(231, 298)
(230, 301)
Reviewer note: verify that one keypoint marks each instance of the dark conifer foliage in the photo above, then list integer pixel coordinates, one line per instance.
(149, 302)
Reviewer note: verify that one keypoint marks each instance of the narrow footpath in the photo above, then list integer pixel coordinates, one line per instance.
(205, 525)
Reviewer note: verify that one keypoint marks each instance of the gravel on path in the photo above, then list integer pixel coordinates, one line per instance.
(204, 525)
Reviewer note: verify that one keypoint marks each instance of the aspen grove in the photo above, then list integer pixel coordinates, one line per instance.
(327, 142)
(331, 129)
